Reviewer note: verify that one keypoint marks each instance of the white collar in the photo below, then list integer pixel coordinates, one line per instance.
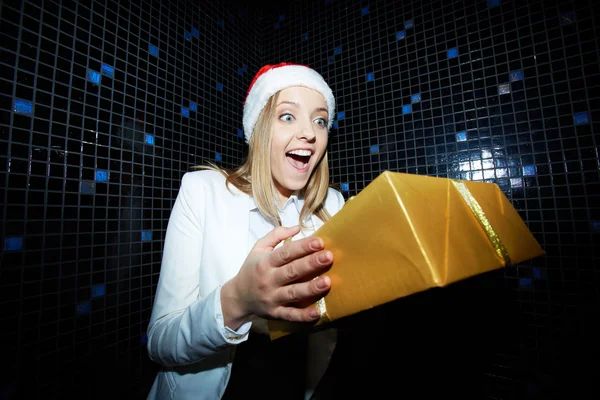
(296, 198)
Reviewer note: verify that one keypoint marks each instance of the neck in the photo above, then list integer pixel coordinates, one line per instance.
(282, 194)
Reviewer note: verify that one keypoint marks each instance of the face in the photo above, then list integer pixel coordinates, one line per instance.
(299, 138)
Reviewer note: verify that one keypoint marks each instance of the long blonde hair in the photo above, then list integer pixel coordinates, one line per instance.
(254, 176)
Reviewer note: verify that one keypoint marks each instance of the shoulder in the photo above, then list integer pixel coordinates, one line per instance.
(197, 183)
(334, 201)
(202, 178)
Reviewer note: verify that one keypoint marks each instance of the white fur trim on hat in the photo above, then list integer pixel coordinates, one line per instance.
(279, 78)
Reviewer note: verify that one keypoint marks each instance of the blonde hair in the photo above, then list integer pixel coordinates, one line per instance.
(254, 176)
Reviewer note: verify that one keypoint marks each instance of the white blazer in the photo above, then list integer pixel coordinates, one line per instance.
(205, 246)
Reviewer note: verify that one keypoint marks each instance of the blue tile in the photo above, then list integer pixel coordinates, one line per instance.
(98, 290)
(526, 283)
(406, 109)
(187, 35)
(101, 175)
(83, 308)
(370, 77)
(94, 77)
(245, 67)
(193, 106)
(453, 53)
(529, 170)
(146, 236)
(408, 24)
(516, 76)
(87, 187)
(240, 71)
(581, 118)
(337, 51)
(195, 33)
(334, 125)
(219, 87)
(341, 115)
(504, 88)
(221, 23)
(345, 187)
(149, 139)
(400, 35)
(108, 71)
(218, 157)
(153, 50)
(240, 133)
(374, 149)
(364, 11)
(304, 36)
(23, 107)
(330, 59)
(461, 136)
(493, 3)
(595, 226)
(185, 112)
(282, 17)
(539, 273)
(277, 25)
(13, 243)
(144, 339)
(415, 98)
(567, 18)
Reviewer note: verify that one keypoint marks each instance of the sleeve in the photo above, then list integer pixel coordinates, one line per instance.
(185, 328)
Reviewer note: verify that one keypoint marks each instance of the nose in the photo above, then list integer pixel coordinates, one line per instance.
(307, 132)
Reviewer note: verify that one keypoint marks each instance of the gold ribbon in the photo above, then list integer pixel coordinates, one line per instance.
(483, 221)
(324, 317)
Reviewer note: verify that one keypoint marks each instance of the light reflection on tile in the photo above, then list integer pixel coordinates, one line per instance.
(504, 88)
(529, 170)
(516, 182)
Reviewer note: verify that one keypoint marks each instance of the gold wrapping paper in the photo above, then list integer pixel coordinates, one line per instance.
(407, 233)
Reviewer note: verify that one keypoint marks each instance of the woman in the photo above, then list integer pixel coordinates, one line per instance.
(227, 266)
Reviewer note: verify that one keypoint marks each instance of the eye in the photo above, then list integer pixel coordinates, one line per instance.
(321, 122)
(286, 117)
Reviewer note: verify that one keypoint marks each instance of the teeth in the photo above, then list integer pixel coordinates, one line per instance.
(301, 152)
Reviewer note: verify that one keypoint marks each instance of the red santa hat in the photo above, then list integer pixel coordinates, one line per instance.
(270, 79)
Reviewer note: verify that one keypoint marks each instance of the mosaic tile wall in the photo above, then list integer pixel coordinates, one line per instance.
(497, 91)
(104, 106)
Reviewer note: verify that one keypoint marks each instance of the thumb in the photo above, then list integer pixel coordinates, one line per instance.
(276, 236)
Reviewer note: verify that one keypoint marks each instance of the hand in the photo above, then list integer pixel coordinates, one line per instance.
(273, 283)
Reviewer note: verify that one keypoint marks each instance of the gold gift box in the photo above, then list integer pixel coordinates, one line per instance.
(406, 233)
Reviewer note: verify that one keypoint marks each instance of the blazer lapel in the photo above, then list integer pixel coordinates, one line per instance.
(238, 224)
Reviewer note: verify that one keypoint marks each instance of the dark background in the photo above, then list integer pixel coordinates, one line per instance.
(94, 142)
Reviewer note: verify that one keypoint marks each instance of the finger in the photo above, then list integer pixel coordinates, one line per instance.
(276, 236)
(300, 292)
(301, 269)
(293, 314)
(293, 250)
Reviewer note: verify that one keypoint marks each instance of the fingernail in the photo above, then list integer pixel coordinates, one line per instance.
(314, 313)
(322, 282)
(316, 244)
(324, 258)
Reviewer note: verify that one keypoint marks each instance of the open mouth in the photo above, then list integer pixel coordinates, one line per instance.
(299, 159)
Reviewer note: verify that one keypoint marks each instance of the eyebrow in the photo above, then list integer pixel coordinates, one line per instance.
(298, 106)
